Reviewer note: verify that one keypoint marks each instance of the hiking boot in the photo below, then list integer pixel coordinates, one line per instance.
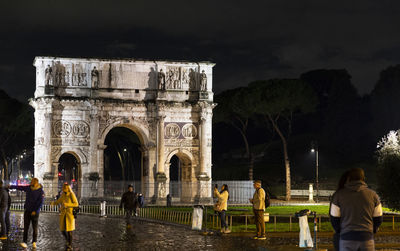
(255, 237)
(34, 245)
(4, 237)
(262, 238)
(227, 231)
(23, 244)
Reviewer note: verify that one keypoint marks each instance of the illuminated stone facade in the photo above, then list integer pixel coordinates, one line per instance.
(167, 104)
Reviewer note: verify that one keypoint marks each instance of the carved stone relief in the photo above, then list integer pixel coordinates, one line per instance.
(172, 130)
(78, 128)
(189, 131)
(61, 128)
(180, 130)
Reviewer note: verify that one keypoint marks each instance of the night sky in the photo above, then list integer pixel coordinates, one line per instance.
(248, 40)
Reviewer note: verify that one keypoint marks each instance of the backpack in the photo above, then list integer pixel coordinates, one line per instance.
(140, 200)
(267, 200)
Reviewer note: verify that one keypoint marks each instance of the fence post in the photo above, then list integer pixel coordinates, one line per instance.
(290, 223)
(319, 227)
(245, 221)
(103, 209)
(275, 223)
(393, 223)
(231, 223)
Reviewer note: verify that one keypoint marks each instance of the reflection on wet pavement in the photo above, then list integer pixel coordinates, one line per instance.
(94, 233)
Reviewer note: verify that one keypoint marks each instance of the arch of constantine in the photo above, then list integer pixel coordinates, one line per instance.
(168, 105)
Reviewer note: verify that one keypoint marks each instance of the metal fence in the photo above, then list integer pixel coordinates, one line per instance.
(183, 216)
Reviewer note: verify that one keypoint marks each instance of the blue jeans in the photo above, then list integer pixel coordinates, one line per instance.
(222, 216)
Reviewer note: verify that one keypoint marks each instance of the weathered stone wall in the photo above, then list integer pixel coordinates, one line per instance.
(167, 104)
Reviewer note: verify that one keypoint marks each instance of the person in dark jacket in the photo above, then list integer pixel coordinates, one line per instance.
(342, 182)
(3, 210)
(356, 213)
(33, 204)
(130, 203)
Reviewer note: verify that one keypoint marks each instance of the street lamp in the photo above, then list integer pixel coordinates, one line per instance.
(314, 148)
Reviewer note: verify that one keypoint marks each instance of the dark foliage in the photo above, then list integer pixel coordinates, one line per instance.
(389, 181)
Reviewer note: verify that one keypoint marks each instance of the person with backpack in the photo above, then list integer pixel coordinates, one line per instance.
(222, 206)
(258, 202)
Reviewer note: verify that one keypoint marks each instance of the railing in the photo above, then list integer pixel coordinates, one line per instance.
(391, 222)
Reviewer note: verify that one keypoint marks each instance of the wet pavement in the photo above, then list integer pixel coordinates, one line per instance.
(94, 233)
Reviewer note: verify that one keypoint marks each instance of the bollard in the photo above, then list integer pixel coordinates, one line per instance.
(103, 209)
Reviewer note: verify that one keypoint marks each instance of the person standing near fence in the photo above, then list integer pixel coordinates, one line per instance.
(222, 206)
(33, 204)
(342, 182)
(258, 202)
(129, 202)
(4, 198)
(67, 201)
(356, 213)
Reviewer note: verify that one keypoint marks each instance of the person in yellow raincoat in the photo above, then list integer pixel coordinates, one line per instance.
(67, 202)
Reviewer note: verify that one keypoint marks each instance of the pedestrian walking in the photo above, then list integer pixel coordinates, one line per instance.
(67, 202)
(33, 204)
(4, 199)
(356, 213)
(258, 202)
(129, 202)
(222, 206)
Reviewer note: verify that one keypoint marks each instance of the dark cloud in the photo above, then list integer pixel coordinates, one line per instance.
(247, 40)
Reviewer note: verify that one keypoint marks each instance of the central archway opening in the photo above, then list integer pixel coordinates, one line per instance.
(122, 161)
(68, 171)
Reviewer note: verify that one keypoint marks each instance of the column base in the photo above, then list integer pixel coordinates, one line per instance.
(161, 189)
(204, 190)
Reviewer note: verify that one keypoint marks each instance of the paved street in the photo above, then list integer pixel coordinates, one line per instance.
(94, 233)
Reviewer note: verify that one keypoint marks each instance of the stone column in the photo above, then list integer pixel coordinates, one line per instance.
(204, 182)
(96, 161)
(161, 178)
(161, 161)
(50, 175)
(203, 146)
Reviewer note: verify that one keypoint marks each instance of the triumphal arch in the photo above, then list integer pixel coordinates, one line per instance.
(168, 105)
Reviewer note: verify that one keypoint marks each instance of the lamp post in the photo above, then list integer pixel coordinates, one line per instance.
(314, 148)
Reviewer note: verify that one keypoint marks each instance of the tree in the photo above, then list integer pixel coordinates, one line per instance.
(16, 130)
(235, 108)
(385, 101)
(278, 101)
(341, 114)
(389, 169)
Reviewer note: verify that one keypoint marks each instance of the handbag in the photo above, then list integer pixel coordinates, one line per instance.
(217, 206)
(75, 211)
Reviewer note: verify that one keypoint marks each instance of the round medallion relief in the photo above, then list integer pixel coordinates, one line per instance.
(172, 130)
(62, 128)
(189, 131)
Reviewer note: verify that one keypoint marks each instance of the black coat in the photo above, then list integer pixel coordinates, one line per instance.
(129, 200)
(4, 199)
